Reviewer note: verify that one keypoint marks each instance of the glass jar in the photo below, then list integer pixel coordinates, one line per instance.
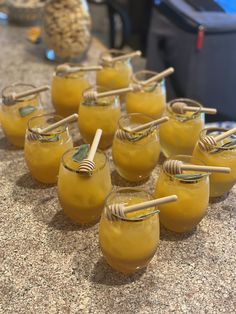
(14, 117)
(102, 113)
(137, 153)
(67, 28)
(81, 196)
(67, 90)
(151, 100)
(43, 152)
(114, 75)
(180, 134)
(223, 154)
(129, 244)
(192, 190)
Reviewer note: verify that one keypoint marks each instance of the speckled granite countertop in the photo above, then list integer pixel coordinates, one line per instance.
(48, 265)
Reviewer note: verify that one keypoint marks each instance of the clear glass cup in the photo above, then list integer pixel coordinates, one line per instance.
(129, 245)
(67, 90)
(114, 75)
(136, 156)
(192, 190)
(43, 152)
(151, 100)
(102, 113)
(82, 197)
(180, 134)
(14, 117)
(224, 155)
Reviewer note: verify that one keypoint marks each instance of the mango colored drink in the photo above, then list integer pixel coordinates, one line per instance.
(151, 100)
(81, 196)
(180, 134)
(67, 92)
(221, 156)
(102, 114)
(129, 245)
(193, 197)
(135, 158)
(43, 155)
(14, 118)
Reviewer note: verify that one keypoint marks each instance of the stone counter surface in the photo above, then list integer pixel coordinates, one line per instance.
(48, 265)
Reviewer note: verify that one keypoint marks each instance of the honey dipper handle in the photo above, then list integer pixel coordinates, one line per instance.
(155, 202)
(51, 127)
(84, 69)
(159, 76)
(31, 92)
(225, 135)
(137, 53)
(203, 109)
(94, 145)
(205, 168)
(149, 124)
(115, 92)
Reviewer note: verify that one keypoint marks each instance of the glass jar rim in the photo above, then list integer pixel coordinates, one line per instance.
(127, 115)
(178, 157)
(35, 96)
(63, 127)
(144, 72)
(76, 171)
(115, 53)
(179, 116)
(80, 74)
(204, 133)
(134, 189)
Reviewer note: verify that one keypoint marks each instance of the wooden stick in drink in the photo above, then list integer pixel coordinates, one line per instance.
(181, 108)
(210, 141)
(67, 69)
(177, 167)
(115, 211)
(87, 165)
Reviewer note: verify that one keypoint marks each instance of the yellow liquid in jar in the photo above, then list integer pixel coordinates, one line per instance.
(129, 246)
(134, 161)
(179, 138)
(67, 93)
(95, 117)
(13, 124)
(43, 158)
(220, 183)
(186, 213)
(82, 197)
(115, 77)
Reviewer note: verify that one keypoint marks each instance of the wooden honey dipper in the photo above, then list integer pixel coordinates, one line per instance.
(67, 69)
(209, 141)
(115, 211)
(11, 98)
(176, 167)
(181, 107)
(157, 77)
(87, 165)
(35, 136)
(137, 53)
(93, 95)
(124, 134)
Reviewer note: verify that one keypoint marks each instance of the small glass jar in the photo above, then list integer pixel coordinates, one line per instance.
(114, 75)
(192, 190)
(135, 154)
(129, 244)
(43, 152)
(81, 196)
(180, 134)
(151, 100)
(223, 154)
(14, 117)
(102, 113)
(67, 90)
